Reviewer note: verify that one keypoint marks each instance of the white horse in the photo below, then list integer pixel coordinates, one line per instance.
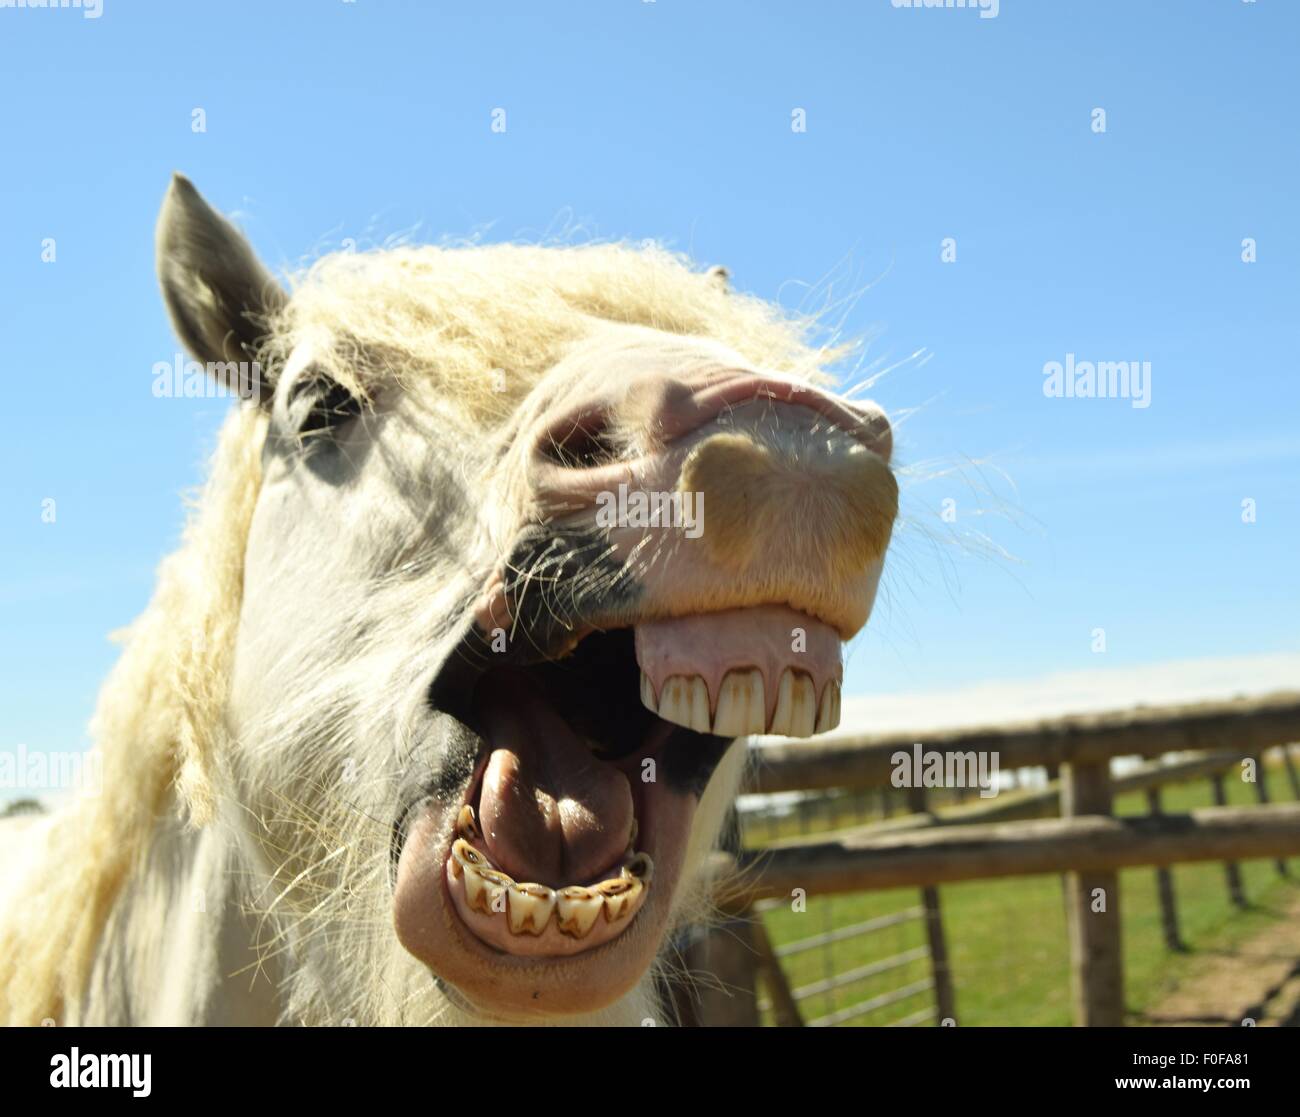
(433, 717)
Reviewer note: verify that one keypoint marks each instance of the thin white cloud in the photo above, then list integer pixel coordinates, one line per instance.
(1182, 457)
(1012, 700)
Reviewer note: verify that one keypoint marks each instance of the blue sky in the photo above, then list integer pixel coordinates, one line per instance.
(329, 120)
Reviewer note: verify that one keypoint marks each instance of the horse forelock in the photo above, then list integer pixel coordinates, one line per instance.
(478, 326)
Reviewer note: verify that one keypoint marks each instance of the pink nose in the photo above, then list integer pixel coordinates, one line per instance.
(867, 423)
(671, 408)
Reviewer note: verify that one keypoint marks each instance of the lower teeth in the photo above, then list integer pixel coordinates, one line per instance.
(529, 907)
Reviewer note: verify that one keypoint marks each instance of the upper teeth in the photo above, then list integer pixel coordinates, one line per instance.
(742, 707)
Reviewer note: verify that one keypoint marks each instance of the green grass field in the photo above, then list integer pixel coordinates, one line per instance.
(1007, 938)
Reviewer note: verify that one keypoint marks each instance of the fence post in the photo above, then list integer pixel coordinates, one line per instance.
(726, 956)
(945, 999)
(1231, 871)
(785, 1008)
(1291, 772)
(1261, 793)
(1092, 909)
(1165, 887)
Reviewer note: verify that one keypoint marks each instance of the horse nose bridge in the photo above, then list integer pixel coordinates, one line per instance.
(776, 403)
(664, 408)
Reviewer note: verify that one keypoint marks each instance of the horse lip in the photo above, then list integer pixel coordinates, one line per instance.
(422, 797)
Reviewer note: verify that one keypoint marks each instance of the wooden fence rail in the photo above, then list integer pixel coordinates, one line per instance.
(1247, 725)
(1040, 802)
(1088, 843)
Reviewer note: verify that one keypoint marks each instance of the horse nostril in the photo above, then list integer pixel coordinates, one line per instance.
(582, 441)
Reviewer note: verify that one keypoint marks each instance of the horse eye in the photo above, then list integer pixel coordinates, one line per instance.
(324, 405)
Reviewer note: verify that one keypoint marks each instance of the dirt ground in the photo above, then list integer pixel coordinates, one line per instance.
(1259, 980)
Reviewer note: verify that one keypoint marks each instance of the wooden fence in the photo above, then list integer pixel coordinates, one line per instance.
(1009, 835)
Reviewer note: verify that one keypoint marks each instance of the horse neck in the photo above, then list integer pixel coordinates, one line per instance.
(178, 948)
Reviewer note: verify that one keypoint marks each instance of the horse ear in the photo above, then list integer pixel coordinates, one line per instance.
(218, 295)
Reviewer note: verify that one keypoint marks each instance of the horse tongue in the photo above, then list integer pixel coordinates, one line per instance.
(550, 812)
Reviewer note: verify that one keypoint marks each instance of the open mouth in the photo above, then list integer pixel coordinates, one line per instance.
(593, 762)
(568, 840)
(545, 860)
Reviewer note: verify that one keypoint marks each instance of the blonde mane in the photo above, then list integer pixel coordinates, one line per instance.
(474, 326)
